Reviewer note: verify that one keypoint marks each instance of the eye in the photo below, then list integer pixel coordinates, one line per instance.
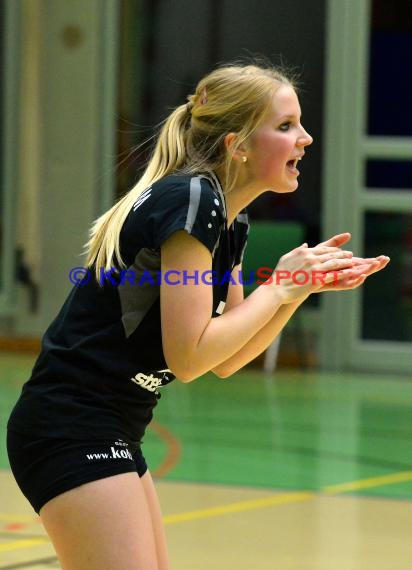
(285, 126)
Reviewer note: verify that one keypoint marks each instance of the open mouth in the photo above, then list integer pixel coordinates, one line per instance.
(292, 164)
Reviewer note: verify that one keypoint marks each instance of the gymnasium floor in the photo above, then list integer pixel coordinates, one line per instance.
(294, 472)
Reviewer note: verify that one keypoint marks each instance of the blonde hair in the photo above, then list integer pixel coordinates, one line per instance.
(232, 98)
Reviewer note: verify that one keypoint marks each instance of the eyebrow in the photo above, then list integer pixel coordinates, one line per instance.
(289, 117)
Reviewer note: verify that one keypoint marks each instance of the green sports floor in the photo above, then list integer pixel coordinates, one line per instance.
(310, 433)
(293, 430)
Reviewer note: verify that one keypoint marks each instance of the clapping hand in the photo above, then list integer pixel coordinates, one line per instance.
(356, 275)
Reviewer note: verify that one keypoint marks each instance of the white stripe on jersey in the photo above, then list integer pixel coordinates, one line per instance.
(194, 200)
(142, 198)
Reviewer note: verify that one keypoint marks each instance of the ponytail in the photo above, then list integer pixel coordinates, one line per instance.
(103, 248)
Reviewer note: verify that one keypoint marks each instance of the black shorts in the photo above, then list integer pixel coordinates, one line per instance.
(47, 467)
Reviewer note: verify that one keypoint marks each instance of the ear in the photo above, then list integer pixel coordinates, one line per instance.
(230, 142)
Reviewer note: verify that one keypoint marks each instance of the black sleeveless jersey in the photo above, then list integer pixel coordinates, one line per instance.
(101, 365)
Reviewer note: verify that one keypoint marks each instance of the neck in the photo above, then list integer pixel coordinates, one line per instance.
(239, 197)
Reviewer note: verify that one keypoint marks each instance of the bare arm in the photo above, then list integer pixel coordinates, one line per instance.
(261, 340)
(195, 343)
(259, 343)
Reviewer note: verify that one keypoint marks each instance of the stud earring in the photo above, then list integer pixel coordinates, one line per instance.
(244, 158)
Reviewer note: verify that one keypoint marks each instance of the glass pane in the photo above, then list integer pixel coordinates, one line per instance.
(389, 174)
(387, 296)
(389, 72)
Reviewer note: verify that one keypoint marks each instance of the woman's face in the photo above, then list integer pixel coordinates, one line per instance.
(274, 148)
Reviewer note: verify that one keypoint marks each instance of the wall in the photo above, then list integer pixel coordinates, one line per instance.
(66, 143)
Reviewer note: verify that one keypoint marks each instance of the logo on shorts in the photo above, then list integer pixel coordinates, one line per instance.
(114, 453)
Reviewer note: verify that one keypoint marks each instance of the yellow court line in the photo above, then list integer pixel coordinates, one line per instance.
(369, 483)
(285, 498)
(15, 545)
(241, 506)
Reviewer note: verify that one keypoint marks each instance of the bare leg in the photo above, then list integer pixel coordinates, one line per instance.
(156, 516)
(105, 524)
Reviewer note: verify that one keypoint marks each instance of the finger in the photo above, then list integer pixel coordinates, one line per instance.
(337, 240)
(353, 283)
(339, 276)
(374, 264)
(351, 276)
(321, 249)
(334, 264)
(338, 254)
(346, 282)
(374, 267)
(366, 269)
(362, 260)
(346, 275)
(382, 259)
(370, 267)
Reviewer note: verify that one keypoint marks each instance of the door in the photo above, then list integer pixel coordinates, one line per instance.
(367, 182)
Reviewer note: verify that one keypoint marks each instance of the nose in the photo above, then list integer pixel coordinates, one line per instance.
(305, 139)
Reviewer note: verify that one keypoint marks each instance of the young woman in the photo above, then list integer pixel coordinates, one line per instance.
(149, 314)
